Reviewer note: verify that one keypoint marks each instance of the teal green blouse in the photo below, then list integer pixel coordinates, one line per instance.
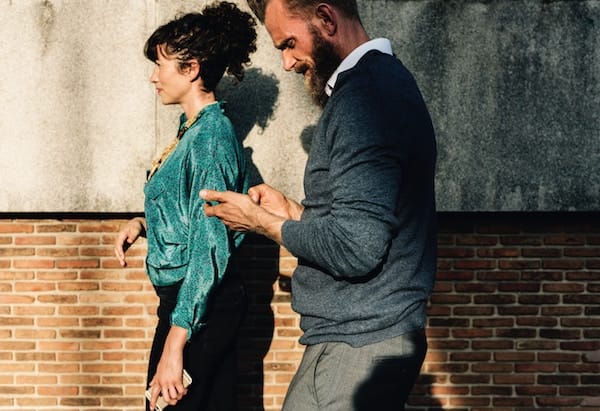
(183, 244)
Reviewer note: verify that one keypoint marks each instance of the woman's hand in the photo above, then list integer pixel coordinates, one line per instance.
(168, 379)
(127, 236)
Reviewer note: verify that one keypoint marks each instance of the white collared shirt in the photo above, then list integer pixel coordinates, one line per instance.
(380, 44)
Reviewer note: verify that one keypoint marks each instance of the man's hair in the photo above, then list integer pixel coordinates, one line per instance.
(303, 7)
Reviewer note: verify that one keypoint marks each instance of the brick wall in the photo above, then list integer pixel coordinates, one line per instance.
(514, 321)
(515, 318)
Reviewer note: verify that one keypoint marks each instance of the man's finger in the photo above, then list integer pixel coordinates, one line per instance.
(211, 195)
(209, 210)
(254, 194)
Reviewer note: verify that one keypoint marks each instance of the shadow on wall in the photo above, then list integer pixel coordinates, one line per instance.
(421, 398)
(252, 103)
(259, 262)
(306, 137)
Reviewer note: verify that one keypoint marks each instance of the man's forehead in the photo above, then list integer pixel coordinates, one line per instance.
(278, 21)
(274, 10)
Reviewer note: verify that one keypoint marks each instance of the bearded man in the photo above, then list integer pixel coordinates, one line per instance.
(365, 234)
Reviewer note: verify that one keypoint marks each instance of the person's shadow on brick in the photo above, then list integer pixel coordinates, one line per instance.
(421, 396)
(251, 103)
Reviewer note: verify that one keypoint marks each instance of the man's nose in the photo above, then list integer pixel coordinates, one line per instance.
(288, 60)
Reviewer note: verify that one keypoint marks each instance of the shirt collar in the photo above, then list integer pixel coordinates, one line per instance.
(380, 44)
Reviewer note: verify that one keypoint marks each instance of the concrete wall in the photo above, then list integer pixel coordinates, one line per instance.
(512, 86)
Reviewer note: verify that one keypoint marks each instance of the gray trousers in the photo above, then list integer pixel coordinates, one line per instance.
(338, 377)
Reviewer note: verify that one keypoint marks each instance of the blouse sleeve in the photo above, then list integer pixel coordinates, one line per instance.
(214, 162)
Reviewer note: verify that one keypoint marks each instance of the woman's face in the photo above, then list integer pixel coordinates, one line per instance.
(172, 85)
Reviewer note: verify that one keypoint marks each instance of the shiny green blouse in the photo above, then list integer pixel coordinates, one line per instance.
(183, 244)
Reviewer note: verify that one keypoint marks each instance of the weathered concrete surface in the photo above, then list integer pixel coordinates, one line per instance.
(513, 87)
(75, 104)
(514, 90)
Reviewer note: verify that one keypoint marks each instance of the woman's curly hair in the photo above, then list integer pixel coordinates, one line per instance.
(221, 38)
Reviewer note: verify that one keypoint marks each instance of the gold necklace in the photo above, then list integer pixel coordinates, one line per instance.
(158, 161)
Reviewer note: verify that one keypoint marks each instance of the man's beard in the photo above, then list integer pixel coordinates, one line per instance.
(325, 61)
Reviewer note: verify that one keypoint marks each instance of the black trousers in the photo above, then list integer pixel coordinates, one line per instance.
(210, 357)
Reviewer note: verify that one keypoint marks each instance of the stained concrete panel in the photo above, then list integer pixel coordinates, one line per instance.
(514, 91)
(512, 87)
(75, 100)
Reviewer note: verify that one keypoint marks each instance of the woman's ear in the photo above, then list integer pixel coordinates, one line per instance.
(327, 17)
(193, 70)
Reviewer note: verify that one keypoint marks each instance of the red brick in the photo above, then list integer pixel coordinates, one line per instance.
(78, 263)
(495, 299)
(475, 264)
(498, 276)
(492, 345)
(519, 287)
(99, 227)
(454, 276)
(557, 401)
(9, 228)
(537, 321)
(520, 240)
(542, 276)
(536, 390)
(514, 379)
(455, 252)
(476, 240)
(541, 252)
(33, 264)
(471, 288)
(519, 264)
(498, 252)
(55, 228)
(474, 311)
(514, 356)
(582, 252)
(513, 402)
(472, 333)
(535, 368)
(35, 240)
(568, 240)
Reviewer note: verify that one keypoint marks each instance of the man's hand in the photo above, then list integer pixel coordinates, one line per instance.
(241, 213)
(127, 236)
(275, 202)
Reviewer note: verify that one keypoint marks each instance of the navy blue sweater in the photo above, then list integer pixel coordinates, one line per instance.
(366, 243)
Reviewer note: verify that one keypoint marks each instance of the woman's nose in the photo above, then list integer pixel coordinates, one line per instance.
(154, 76)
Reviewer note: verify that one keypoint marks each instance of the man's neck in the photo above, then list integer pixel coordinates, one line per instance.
(351, 35)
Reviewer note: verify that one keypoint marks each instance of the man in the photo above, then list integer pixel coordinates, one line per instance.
(365, 233)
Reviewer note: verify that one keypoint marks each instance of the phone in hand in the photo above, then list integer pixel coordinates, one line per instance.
(161, 403)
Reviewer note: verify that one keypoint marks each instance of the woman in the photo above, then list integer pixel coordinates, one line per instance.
(189, 255)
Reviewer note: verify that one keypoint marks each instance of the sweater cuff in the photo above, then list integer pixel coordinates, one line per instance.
(289, 232)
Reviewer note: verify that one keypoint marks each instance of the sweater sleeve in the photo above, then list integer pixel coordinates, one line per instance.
(214, 163)
(365, 157)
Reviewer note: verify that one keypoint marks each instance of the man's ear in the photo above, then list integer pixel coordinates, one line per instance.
(327, 17)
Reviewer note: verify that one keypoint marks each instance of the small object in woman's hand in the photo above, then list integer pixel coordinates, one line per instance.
(160, 403)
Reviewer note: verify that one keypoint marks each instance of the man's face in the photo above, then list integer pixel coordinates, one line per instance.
(303, 48)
